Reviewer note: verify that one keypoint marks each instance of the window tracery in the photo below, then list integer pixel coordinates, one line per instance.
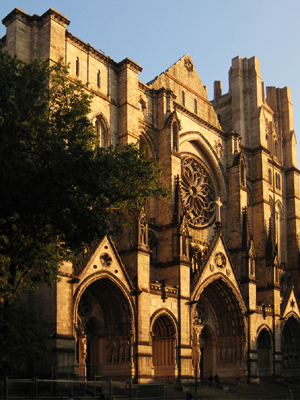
(197, 193)
(101, 133)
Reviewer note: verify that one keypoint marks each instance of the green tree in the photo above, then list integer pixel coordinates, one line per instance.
(59, 190)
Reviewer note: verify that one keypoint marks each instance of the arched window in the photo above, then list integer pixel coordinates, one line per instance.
(99, 79)
(270, 176)
(279, 237)
(195, 106)
(183, 98)
(184, 247)
(145, 147)
(243, 174)
(275, 148)
(101, 133)
(77, 66)
(278, 182)
(175, 136)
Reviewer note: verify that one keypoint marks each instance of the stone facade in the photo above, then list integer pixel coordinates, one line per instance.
(205, 281)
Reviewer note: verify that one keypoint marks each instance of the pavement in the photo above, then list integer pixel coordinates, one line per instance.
(228, 390)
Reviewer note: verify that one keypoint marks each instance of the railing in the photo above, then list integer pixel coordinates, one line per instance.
(89, 389)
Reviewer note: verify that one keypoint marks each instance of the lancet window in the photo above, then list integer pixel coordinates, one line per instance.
(99, 79)
(77, 66)
(101, 132)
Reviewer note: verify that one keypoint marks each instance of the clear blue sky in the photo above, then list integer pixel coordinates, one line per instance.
(156, 33)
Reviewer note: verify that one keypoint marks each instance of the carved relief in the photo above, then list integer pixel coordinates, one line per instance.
(85, 307)
(143, 230)
(218, 147)
(105, 260)
(188, 65)
(220, 260)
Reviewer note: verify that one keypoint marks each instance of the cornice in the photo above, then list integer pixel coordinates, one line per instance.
(267, 108)
(261, 149)
(199, 120)
(293, 170)
(57, 17)
(144, 87)
(91, 51)
(276, 165)
(35, 19)
(128, 63)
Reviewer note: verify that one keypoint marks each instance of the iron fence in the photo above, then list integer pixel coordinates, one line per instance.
(50, 389)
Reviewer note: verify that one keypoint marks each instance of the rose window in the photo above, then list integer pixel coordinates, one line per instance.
(197, 193)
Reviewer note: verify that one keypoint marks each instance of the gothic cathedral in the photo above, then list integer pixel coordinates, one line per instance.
(205, 281)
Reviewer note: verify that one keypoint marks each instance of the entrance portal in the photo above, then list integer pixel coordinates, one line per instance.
(163, 347)
(264, 347)
(220, 319)
(208, 356)
(103, 331)
(291, 347)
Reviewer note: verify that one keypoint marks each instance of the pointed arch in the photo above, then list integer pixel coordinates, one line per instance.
(264, 350)
(164, 333)
(174, 124)
(77, 67)
(104, 322)
(102, 130)
(99, 79)
(279, 231)
(211, 158)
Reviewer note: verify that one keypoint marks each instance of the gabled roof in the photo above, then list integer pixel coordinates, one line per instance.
(103, 257)
(289, 303)
(217, 263)
(182, 72)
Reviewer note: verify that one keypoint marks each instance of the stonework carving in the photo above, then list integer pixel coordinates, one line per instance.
(85, 307)
(218, 147)
(106, 260)
(188, 65)
(197, 192)
(200, 314)
(220, 260)
(143, 227)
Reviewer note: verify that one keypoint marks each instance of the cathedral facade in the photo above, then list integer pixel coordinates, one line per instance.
(205, 281)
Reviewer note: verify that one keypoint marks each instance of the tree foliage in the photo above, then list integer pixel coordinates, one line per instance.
(22, 338)
(58, 189)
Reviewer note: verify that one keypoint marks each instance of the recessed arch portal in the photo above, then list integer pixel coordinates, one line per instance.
(164, 333)
(291, 347)
(104, 321)
(222, 341)
(264, 352)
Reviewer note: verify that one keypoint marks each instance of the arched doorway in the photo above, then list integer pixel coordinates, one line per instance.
(222, 338)
(104, 327)
(264, 349)
(291, 347)
(163, 347)
(207, 348)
